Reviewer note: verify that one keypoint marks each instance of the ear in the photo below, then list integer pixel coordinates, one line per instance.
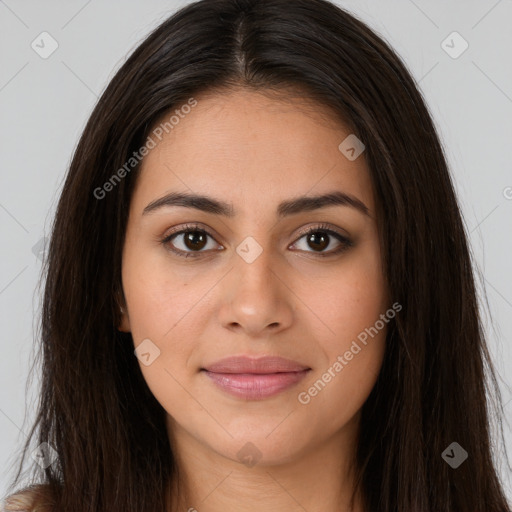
(124, 319)
(124, 325)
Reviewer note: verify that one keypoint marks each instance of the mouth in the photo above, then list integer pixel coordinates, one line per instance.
(255, 386)
(255, 379)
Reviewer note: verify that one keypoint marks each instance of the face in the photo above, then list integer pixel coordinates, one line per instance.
(204, 281)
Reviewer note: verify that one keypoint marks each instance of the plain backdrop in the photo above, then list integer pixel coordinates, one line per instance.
(45, 102)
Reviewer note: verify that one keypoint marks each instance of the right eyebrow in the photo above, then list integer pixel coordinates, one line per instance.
(284, 209)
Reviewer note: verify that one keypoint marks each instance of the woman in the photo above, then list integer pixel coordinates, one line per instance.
(259, 286)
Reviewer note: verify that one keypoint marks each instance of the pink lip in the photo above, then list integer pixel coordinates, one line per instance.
(244, 364)
(255, 379)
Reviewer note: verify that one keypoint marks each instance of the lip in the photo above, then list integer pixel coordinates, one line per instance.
(255, 379)
(260, 365)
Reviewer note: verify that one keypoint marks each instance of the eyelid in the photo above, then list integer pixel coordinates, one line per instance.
(323, 227)
(335, 232)
(185, 229)
(345, 240)
(189, 227)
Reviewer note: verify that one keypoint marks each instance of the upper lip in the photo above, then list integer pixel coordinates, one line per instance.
(261, 365)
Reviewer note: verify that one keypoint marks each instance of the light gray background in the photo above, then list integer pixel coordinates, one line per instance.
(44, 104)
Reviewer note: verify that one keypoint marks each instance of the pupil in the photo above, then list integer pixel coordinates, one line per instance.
(193, 238)
(320, 239)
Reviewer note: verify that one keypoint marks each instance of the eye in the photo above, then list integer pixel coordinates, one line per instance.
(191, 239)
(321, 237)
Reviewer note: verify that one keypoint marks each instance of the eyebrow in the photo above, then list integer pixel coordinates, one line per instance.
(285, 208)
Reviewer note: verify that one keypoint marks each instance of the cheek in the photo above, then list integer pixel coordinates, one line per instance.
(160, 306)
(352, 356)
(164, 310)
(158, 294)
(351, 305)
(352, 298)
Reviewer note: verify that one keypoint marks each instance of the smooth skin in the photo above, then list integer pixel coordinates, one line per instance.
(253, 152)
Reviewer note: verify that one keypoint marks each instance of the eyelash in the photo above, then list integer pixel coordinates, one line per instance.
(346, 243)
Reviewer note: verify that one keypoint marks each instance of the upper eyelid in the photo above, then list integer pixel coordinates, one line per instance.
(302, 233)
(190, 227)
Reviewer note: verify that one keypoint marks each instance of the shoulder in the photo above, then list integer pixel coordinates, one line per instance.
(36, 498)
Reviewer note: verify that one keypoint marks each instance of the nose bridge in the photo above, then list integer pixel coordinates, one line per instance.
(257, 297)
(255, 270)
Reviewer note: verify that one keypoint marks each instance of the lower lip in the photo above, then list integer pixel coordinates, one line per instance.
(255, 386)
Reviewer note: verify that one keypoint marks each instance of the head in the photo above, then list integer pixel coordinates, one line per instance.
(226, 107)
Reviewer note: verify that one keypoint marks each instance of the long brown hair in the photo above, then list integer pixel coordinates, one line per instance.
(95, 409)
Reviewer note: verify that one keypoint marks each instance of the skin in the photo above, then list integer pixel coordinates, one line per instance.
(253, 152)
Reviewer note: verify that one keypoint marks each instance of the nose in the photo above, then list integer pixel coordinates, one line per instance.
(256, 297)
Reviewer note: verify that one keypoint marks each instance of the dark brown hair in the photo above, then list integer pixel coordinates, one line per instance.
(95, 408)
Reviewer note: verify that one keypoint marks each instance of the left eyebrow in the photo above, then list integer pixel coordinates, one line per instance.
(284, 209)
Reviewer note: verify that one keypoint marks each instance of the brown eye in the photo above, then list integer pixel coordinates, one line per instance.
(319, 238)
(194, 240)
(188, 241)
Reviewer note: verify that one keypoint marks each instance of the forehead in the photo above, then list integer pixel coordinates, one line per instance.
(250, 149)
